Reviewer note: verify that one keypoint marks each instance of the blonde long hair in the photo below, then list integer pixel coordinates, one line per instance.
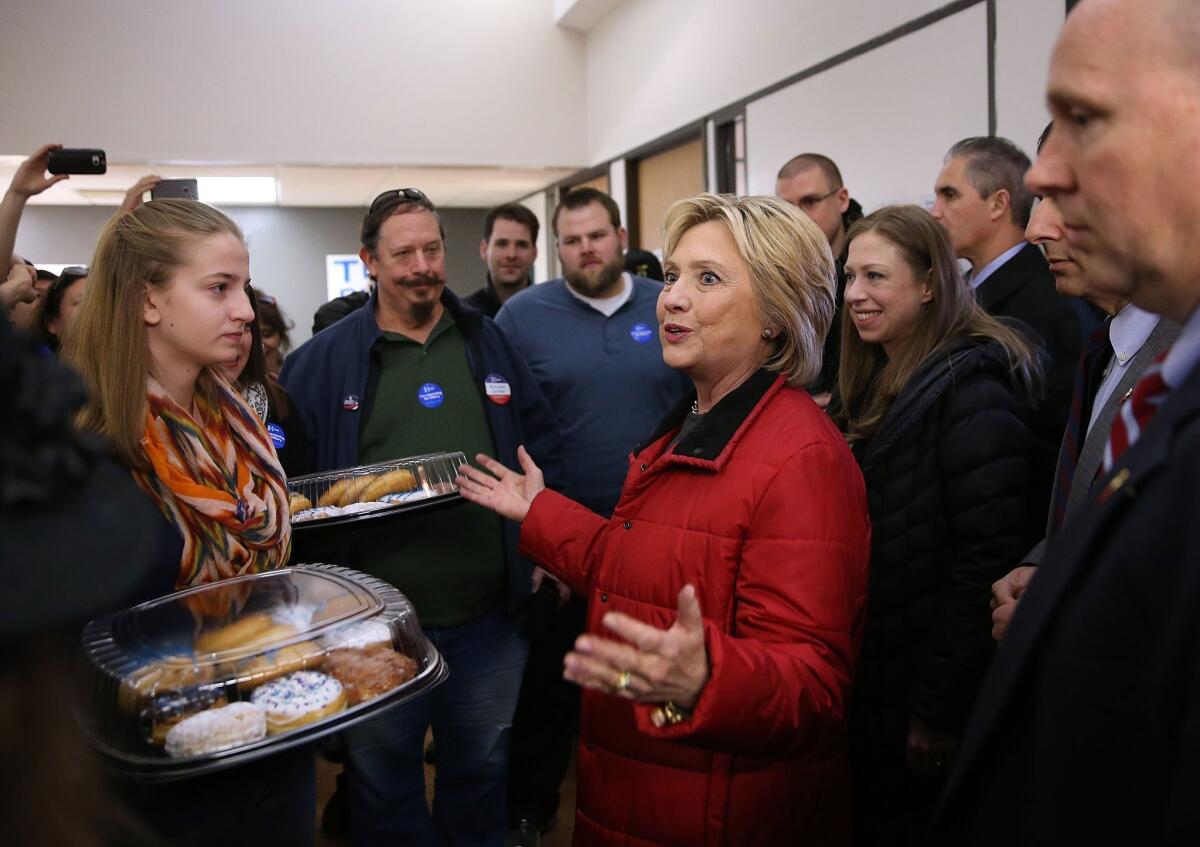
(791, 270)
(868, 380)
(108, 344)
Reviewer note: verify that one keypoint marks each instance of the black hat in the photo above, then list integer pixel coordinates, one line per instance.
(644, 263)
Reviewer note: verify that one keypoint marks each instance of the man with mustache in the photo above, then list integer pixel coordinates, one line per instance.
(1114, 359)
(591, 340)
(1087, 727)
(415, 371)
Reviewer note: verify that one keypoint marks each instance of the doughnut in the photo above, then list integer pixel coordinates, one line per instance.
(361, 634)
(345, 491)
(172, 674)
(166, 710)
(298, 503)
(216, 729)
(298, 699)
(315, 514)
(392, 482)
(358, 508)
(404, 497)
(237, 634)
(276, 663)
(369, 672)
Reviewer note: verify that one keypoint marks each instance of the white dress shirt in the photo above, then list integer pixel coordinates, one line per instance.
(1127, 334)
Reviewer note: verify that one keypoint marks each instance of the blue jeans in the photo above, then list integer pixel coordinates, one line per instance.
(471, 714)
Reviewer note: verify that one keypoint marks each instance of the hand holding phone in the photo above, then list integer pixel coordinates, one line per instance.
(77, 160)
(184, 189)
(30, 178)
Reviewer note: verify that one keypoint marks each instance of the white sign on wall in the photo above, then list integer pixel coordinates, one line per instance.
(344, 274)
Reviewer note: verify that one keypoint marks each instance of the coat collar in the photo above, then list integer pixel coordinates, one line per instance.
(468, 319)
(1022, 269)
(720, 424)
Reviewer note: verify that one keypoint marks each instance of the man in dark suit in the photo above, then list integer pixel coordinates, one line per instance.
(1087, 728)
(983, 203)
(1115, 357)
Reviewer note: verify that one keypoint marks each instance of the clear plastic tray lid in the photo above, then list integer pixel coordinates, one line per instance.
(228, 672)
(366, 492)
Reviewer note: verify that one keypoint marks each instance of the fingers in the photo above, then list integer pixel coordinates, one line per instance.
(1001, 618)
(647, 638)
(536, 580)
(593, 673)
(689, 609)
(43, 153)
(1002, 589)
(610, 652)
(528, 466)
(497, 468)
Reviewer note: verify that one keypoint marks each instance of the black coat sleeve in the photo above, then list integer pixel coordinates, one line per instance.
(983, 459)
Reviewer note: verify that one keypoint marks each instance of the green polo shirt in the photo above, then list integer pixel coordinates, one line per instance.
(448, 562)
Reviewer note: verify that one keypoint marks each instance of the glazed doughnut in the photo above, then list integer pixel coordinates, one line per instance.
(298, 503)
(392, 482)
(216, 729)
(166, 710)
(345, 491)
(369, 672)
(237, 634)
(298, 699)
(276, 663)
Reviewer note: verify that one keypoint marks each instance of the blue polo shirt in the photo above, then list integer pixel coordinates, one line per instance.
(604, 377)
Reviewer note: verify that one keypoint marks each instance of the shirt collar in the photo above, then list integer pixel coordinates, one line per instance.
(977, 279)
(607, 306)
(1129, 330)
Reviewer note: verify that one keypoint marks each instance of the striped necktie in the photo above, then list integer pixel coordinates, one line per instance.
(1092, 361)
(1150, 392)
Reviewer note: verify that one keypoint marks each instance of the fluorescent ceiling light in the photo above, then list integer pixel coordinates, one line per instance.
(249, 190)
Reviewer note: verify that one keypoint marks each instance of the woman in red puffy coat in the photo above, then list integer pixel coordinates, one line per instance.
(726, 593)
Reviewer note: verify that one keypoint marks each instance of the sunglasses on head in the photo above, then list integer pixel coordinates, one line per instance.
(399, 195)
(69, 275)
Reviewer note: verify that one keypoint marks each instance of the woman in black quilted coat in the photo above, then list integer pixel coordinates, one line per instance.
(934, 395)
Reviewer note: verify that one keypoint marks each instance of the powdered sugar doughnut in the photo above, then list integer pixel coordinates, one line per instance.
(361, 634)
(216, 729)
(297, 699)
(315, 514)
(357, 508)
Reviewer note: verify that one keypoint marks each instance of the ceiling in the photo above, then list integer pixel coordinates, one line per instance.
(463, 187)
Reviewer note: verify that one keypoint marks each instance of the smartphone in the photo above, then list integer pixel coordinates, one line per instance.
(77, 161)
(186, 189)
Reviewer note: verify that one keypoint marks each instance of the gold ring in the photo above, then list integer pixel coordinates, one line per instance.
(623, 680)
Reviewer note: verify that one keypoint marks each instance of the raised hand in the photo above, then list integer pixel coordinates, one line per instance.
(656, 665)
(504, 491)
(31, 178)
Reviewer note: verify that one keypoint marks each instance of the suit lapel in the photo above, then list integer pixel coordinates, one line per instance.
(1006, 280)
(1067, 555)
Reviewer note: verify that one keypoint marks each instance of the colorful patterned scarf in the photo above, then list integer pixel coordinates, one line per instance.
(216, 477)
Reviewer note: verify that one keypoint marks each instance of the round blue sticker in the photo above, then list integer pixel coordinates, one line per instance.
(641, 333)
(430, 395)
(278, 436)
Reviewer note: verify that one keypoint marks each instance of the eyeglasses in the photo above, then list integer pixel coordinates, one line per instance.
(812, 200)
(400, 195)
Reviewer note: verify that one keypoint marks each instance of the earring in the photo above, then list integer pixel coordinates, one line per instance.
(766, 333)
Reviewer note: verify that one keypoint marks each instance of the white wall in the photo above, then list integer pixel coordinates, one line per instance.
(276, 81)
(886, 117)
(691, 57)
(1025, 33)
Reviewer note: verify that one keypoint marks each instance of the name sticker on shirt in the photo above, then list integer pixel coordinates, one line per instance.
(350, 403)
(641, 333)
(278, 436)
(497, 389)
(430, 395)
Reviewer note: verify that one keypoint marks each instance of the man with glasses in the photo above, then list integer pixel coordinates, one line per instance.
(982, 203)
(413, 372)
(812, 183)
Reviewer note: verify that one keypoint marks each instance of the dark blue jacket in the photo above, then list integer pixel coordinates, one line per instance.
(332, 380)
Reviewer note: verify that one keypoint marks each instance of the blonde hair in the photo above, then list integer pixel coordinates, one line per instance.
(868, 380)
(108, 344)
(791, 271)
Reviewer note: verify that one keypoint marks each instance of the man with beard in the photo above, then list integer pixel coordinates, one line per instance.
(591, 340)
(413, 372)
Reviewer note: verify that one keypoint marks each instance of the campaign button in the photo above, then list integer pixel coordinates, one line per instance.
(497, 389)
(278, 436)
(350, 403)
(641, 333)
(430, 395)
